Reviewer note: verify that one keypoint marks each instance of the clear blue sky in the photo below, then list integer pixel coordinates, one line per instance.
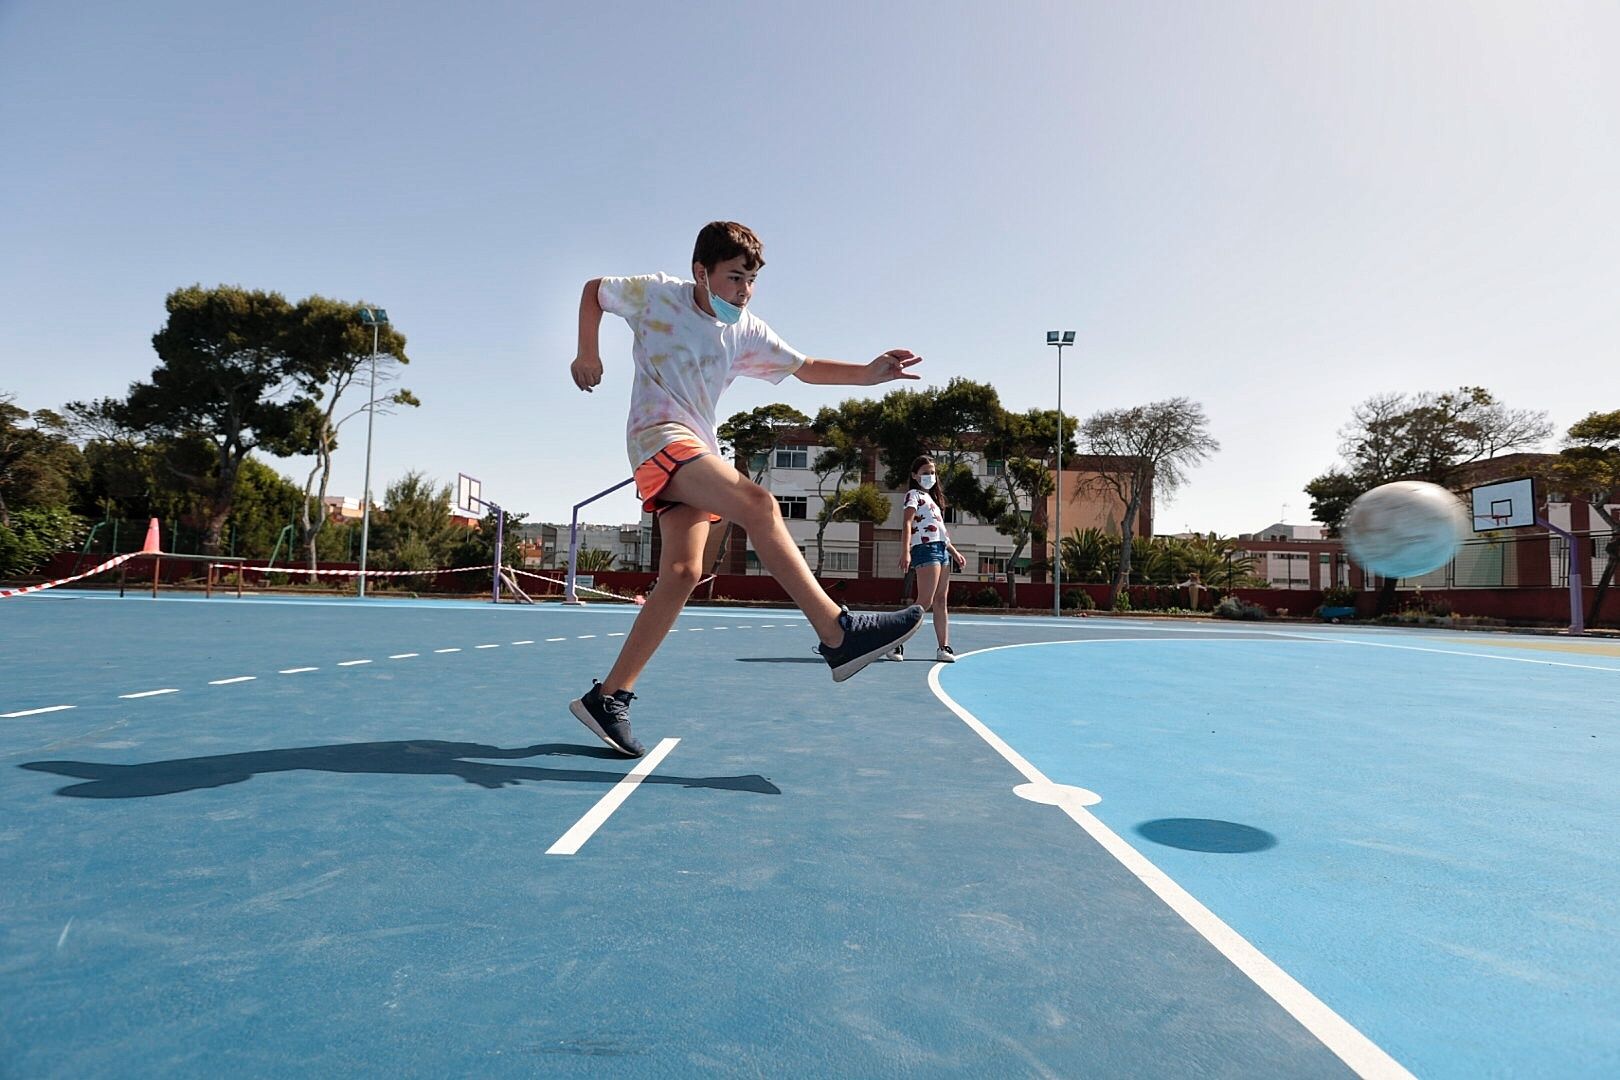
(1275, 209)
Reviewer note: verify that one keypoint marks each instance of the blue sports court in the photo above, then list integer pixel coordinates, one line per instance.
(276, 837)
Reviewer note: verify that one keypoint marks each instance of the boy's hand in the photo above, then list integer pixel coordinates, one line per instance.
(891, 366)
(586, 371)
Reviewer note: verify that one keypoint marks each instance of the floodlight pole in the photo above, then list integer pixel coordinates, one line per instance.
(375, 318)
(1060, 340)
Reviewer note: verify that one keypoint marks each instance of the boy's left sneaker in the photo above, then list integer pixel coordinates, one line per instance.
(867, 636)
(608, 717)
(945, 655)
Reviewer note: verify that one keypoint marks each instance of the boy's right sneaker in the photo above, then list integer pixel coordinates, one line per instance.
(867, 636)
(608, 718)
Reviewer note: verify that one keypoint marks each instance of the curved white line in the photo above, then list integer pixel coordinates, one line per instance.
(1357, 1051)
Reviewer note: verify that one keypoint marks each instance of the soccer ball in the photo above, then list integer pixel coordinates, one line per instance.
(1405, 529)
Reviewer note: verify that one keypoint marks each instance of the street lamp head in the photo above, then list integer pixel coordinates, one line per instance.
(1051, 337)
(373, 316)
(1068, 337)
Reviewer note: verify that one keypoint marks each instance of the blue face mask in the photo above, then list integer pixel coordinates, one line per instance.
(724, 310)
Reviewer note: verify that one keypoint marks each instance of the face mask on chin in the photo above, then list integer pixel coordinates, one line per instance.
(724, 310)
(926, 481)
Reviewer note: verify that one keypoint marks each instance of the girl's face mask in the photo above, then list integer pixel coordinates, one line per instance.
(925, 481)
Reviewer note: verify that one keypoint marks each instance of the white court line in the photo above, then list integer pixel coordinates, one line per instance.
(446, 650)
(582, 637)
(297, 670)
(404, 655)
(529, 642)
(1360, 1053)
(227, 682)
(617, 634)
(696, 629)
(556, 639)
(352, 663)
(36, 712)
(486, 646)
(1476, 655)
(571, 841)
(151, 693)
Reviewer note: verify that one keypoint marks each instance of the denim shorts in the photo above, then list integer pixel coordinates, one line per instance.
(927, 554)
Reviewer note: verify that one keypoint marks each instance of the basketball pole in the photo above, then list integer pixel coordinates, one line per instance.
(1577, 610)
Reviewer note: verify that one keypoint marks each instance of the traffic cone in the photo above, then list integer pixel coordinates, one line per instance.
(153, 545)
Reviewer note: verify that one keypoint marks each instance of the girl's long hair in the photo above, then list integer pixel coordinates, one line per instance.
(938, 494)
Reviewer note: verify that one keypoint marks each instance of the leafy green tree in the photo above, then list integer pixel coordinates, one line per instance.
(32, 535)
(331, 350)
(415, 530)
(842, 464)
(1588, 467)
(1427, 436)
(1089, 555)
(225, 377)
(749, 437)
(39, 463)
(1026, 445)
(594, 560)
(266, 502)
(1155, 444)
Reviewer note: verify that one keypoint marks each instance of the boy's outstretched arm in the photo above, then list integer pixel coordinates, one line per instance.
(889, 367)
(587, 366)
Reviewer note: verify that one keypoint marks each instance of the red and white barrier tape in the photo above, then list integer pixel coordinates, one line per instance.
(297, 570)
(108, 565)
(292, 571)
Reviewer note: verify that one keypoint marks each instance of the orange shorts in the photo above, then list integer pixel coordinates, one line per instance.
(654, 473)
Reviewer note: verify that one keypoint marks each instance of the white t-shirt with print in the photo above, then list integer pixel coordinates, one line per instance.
(685, 358)
(928, 526)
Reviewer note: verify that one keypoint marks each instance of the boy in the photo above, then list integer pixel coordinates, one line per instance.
(692, 338)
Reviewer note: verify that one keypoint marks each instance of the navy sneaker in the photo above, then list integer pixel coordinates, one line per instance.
(608, 718)
(867, 636)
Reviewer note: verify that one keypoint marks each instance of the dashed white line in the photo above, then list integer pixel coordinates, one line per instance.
(297, 670)
(227, 682)
(571, 841)
(36, 712)
(619, 633)
(352, 663)
(446, 650)
(486, 646)
(151, 693)
(530, 642)
(582, 637)
(404, 655)
(696, 629)
(556, 639)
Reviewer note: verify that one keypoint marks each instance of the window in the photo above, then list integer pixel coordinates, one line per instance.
(757, 463)
(793, 457)
(952, 517)
(995, 467)
(992, 564)
(841, 560)
(794, 507)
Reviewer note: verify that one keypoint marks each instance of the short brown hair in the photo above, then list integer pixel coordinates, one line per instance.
(721, 240)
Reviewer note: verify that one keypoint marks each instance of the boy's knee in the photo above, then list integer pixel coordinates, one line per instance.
(683, 575)
(760, 509)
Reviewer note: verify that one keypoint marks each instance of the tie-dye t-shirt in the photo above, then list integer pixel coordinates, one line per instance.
(684, 359)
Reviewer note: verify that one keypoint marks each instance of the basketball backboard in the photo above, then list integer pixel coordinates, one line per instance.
(469, 497)
(1506, 504)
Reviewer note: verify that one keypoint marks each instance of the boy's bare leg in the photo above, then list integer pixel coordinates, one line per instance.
(716, 486)
(683, 531)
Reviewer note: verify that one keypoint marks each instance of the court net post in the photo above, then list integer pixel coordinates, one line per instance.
(569, 595)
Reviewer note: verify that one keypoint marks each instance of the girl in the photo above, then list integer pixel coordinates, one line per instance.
(928, 550)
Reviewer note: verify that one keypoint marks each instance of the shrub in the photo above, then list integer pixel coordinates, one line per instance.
(34, 536)
(1339, 596)
(986, 597)
(1079, 599)
(1122, 600)
(1233, 608)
